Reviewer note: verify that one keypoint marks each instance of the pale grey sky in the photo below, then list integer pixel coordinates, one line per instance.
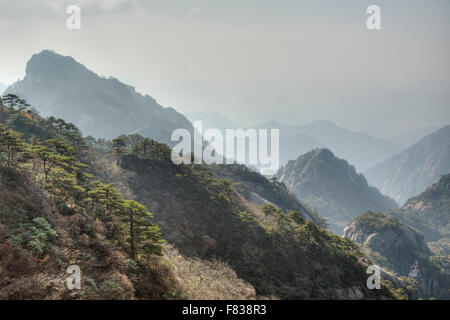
(255, 60)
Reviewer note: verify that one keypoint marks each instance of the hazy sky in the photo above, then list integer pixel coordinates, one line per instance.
(255, 60)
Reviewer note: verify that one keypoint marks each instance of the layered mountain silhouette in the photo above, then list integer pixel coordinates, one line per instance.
(332, 187)
(407, 174)
(102, 107)
(361, 149)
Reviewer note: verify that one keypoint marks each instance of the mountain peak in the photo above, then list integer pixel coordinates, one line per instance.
(60, 86)
(333, 187)
(324, 153)
(49, 66)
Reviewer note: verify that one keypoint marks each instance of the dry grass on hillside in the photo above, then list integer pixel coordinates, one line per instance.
(208, 279)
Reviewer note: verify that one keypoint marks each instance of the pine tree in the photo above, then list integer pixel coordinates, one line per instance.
(104, 196)
(10, 145)
(11, 101)
(119, 148)
(143, 237)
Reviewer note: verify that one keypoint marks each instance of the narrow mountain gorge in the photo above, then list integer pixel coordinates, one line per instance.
(332, 187)
(407, 174)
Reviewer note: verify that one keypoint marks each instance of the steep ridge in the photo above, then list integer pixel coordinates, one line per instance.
(407, 174)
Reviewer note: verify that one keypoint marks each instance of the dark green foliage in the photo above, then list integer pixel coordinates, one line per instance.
(370, 222)
(118, 147)
(11, 147)
(38, 236)
(143, 237)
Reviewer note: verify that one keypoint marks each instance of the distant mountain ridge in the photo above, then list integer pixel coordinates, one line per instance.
(332, 187)
(408, 173)
(361, 149)
(213, 120)
(102, 107)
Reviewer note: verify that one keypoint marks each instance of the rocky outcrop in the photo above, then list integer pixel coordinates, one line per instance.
(401, 245)
(402, 249)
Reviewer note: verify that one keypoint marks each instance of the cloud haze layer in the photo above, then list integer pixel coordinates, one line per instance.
(255, 60)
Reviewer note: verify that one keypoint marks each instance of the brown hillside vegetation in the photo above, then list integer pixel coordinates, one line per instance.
(38, 243)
